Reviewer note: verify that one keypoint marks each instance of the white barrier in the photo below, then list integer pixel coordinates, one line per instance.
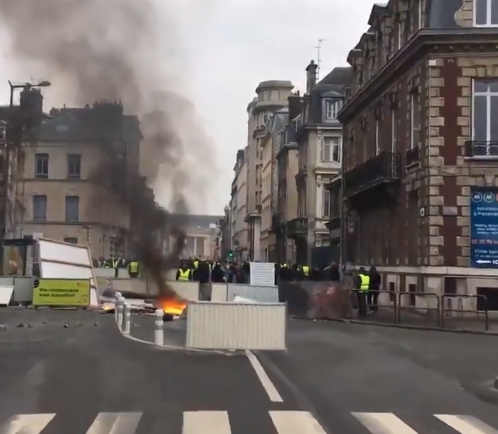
(158, 327)
(236, 326)
(119, 308)
(186, 290)
(263, 294)
(219, 292)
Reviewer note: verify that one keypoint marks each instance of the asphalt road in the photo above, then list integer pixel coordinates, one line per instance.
(65, 380)
(393, 380)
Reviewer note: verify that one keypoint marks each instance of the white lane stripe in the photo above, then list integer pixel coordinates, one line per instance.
(466, 424)
(27, 424)
(206, 422)
(115, 423)
(295, 422)
(267, 384)
(383, 423)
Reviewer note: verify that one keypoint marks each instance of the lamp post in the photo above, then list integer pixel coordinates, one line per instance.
(13, 140)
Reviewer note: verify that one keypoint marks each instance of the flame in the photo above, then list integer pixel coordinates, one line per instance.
(173, 306)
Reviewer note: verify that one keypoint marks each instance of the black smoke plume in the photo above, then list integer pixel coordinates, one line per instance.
(106, 50)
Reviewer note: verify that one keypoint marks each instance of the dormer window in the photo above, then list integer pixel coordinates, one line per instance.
(485, 13)
(332, 108)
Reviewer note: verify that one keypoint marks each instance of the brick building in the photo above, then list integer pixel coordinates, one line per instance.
(418, 140)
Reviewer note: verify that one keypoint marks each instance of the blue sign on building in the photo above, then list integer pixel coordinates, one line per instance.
(484, 227)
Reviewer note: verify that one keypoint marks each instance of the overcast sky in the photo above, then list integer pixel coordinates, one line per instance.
(232, 45)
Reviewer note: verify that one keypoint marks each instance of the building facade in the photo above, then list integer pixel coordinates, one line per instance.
(238, 203)
(53, 194)
(271, 96)
(287, 168)
(270, 143)
(420, 149)
(319, 139)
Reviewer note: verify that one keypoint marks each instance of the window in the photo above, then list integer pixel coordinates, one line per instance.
(74, 166)
(331, 150)
(484, 114)
(485, 13)
(332, 108)
(400, 34)
(393, 131)
(199, 246)
(326, 203)
(377, 139)
(40, 207)
(72, 208)
(41, 165)
(71, 240)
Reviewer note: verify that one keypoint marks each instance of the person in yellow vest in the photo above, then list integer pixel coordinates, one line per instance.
(183, 274)
(361, 287)
(306, 271)
(133, 269)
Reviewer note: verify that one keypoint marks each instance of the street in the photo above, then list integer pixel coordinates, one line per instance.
(73, 372)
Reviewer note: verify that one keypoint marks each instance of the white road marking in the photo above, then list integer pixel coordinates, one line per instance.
(267, 384)
(295, 422)
(206, 422)
(466, 424)
(115, 423)
(27, 424)
(383, 423)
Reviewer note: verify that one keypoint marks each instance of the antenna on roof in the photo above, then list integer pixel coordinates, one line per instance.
(319, 57)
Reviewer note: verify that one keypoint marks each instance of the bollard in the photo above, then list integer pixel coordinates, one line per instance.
(127, 319)
(158, 327)
(119, 310)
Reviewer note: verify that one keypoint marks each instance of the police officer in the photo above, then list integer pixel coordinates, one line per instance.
(361, 286)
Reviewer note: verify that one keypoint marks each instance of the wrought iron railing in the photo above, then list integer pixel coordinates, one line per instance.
(297, 226)
(383, 168)
(477, 148)
(412, 156)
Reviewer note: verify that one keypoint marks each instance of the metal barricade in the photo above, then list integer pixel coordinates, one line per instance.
(378, 302)
(419, 315)
(448, 310)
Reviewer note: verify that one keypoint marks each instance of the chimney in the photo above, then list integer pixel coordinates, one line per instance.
(311, 70)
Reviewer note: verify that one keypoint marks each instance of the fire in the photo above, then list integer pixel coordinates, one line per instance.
(173, 306)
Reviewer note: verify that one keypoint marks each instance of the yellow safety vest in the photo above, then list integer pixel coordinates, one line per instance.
(365, 282)
(184, 275)
(134, 267)
(196, 264)
(306, 270)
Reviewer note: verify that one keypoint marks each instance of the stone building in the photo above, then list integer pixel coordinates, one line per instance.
(52, 194)
(419, 143)
(271, 96)
(318, 135)
(238, 206)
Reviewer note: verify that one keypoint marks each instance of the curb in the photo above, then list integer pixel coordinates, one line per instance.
(408, 327)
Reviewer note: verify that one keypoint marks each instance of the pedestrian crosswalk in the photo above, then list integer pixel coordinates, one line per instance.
(219, 422)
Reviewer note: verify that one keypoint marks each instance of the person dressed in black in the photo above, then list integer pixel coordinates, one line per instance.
(373, 289)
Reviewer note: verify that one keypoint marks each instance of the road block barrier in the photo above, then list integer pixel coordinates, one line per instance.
(263, 294)
(236, 326)
(126, 319)
(119, 312)
(424, 306)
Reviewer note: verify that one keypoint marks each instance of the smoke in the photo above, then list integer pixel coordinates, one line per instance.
(128, 50)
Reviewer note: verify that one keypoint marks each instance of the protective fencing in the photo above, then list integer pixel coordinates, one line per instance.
(236, 326)
(263, 294)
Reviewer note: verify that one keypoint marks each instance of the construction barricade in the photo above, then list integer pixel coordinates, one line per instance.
(464, 310)
(264, 294)
(236, 326)
(62, 293)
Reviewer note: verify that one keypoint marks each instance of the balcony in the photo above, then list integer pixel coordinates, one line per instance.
(334, 223)
(412, 157)
(297, 227)
(481, 149)
(381, 170)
